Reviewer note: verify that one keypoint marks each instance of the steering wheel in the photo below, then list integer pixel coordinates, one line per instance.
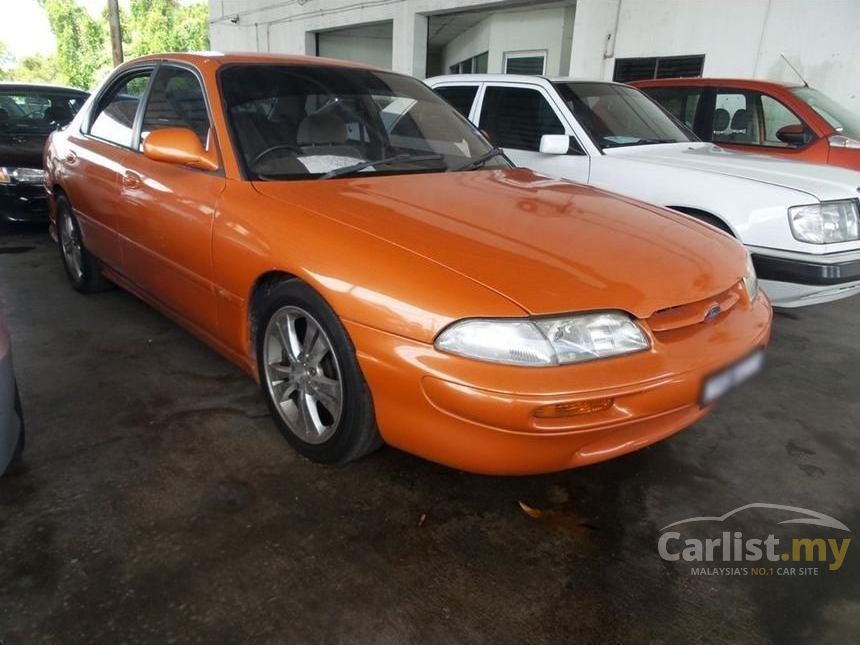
(275, 148)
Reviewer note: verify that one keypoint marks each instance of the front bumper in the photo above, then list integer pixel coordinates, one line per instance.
(480, 417)
(23, 203)
(800, 279)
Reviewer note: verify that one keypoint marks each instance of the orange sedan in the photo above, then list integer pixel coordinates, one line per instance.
(387, 276)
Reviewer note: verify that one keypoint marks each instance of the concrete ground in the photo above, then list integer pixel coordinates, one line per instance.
(158, 504)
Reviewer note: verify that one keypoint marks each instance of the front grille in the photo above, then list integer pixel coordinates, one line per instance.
(696, 313)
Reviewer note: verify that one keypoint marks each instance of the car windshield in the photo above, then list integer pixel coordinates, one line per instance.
(616, 115)
(843, 120)
(37, 110)
(315, 121)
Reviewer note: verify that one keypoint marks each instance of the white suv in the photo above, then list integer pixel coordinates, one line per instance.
(799, 221)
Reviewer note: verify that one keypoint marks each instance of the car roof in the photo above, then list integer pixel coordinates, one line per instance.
(12, 85)
(516, 78)
(226, 58)
(713, 80)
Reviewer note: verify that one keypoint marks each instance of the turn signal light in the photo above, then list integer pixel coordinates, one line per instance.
(573, 408)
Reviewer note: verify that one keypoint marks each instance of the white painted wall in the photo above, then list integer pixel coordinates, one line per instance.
(371, 46)
(284, 27)
(512, 31)
(740, 38)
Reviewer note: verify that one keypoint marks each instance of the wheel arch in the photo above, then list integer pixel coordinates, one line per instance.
(707, 217)
(260, 290)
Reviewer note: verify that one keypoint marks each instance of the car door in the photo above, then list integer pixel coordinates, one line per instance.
(169, 210)
(515, 116)
(751, 121)
(92, 163)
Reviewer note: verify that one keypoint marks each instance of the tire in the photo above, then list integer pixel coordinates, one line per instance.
(82, 267)
(305, 355)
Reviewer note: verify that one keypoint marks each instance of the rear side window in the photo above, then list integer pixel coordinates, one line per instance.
(460, 97)
(680, 102)
(176, 101)
(736, 118)
(516, 117)
(114, 118)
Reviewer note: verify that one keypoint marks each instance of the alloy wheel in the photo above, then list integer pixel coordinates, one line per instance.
(303, 375)
(70, 241)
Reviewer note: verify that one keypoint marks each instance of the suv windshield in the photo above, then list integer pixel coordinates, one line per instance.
(616, 115)
(842, 120)
(37, 109)
(314, 121)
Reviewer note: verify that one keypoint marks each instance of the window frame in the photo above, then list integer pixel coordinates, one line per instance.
(213, 135)
(524, 53)
(712, 106)
(551, 97)
(108, 90)
(153, 68)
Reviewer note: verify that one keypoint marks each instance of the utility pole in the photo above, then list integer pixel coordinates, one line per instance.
(115, 31)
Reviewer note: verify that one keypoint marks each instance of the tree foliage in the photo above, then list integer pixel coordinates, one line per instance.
(83, 54)
(165, 26)
(82, 42)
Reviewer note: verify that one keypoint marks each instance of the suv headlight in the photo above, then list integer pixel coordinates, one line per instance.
(9, 175)
(826, 222)
(750, 279)
(539, 342)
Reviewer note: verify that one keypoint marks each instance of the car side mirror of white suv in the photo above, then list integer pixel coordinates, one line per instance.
(560, 144)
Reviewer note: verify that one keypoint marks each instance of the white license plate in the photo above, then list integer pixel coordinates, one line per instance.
(728, 379)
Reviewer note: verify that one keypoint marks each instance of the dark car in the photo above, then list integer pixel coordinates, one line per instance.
(28, 114)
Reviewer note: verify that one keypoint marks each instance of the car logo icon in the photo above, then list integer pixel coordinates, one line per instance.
(712, 312)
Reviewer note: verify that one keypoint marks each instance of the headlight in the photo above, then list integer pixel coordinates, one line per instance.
(750, 279)
(826, 222)
(540, 342)
(9, 175)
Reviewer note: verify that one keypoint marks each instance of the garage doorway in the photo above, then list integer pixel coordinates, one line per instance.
(370, 44)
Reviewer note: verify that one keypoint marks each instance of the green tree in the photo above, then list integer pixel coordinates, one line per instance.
(37, 69)
(154, 26)
(82, 42)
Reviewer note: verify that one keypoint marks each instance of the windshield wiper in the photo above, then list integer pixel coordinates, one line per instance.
(477, 162)
(401, 158)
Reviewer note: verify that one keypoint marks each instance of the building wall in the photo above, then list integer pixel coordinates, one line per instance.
(288, 27)
(511, 31)
(738, 37)
(371, 46)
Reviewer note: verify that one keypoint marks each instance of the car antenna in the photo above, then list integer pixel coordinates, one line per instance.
(794, 69)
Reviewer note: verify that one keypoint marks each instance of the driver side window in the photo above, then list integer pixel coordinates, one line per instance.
(114, 120)
(517, 117)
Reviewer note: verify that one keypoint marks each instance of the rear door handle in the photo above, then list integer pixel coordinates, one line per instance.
(131, 179)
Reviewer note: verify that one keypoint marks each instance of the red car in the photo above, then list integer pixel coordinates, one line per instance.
(793, 121)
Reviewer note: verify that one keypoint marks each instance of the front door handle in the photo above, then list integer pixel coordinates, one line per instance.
(70, 157)
(131, 179)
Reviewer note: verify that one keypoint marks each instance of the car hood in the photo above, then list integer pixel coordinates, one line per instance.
(548, 245)
(819, 181)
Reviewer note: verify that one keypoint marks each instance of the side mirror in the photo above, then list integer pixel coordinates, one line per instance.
(793, 135)
(179, 146)
(560, 144)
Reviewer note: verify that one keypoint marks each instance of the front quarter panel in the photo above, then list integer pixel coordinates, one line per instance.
(363, 278)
